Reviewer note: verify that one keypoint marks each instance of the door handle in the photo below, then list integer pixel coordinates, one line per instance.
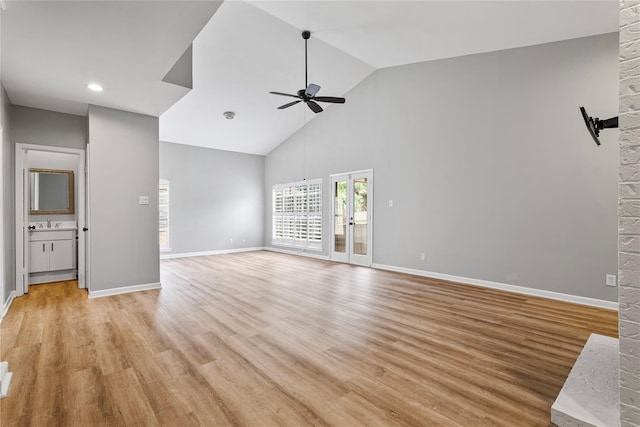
(43, 247)
(85, 229)
(51, 246)
(32, 227)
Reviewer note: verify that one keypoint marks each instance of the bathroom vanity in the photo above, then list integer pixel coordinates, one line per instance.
(52, 251)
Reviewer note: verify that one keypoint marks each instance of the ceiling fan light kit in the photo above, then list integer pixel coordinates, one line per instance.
(308, 95)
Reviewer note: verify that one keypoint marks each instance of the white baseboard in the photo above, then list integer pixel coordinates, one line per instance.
(299, 252)
(205, 253)
(7, 304)
(466, 280)
(504, 287)
(124, 290)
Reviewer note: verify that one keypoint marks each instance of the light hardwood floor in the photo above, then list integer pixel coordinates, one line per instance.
(260, 338)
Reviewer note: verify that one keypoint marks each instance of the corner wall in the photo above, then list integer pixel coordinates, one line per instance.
(123, 165)
(8, 221)
(629, 214)
(487, 160)
(216, 199)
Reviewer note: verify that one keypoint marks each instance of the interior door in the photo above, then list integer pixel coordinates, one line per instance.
(351, 219)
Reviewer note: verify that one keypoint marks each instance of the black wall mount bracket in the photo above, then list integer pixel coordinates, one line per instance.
(596, 125)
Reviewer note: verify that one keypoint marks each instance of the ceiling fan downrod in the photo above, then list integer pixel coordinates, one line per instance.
(308, 94)
(305, 35)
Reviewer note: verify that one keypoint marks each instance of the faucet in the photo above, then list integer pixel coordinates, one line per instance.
(48, 222)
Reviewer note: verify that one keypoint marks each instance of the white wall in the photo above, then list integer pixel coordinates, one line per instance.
(487, 160)
(123, 165)
(216, 198)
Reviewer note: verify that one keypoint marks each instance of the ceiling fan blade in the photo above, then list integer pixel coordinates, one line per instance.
(285, 94)
(311, 90)
(282, 107)
(314, 107)
(332, 99)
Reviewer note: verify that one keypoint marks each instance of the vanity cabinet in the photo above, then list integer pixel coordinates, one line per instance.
(51, 251)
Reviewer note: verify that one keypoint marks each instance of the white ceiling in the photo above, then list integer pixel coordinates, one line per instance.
(52, 49)
(250, 48)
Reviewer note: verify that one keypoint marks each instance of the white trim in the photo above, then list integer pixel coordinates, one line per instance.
(351, 172)
(21, 213)
(504, 287)
(300, 252)
(7, 305)
(348, 255)
(124, 290)
(205, 253)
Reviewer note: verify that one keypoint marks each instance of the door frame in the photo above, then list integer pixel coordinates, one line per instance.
(347, 257)
(22, 214)
(3, 283)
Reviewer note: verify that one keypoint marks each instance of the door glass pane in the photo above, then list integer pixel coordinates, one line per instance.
(360, 216)
(340, 215)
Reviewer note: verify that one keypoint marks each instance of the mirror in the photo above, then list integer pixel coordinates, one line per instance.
(51, 192)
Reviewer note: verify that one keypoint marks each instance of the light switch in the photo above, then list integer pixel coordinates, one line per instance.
(144, 200)
(390, 203)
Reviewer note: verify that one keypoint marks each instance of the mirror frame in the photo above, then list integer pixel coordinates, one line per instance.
(72, 203)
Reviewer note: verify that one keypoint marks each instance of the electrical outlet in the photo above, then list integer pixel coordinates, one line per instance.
(390, 203)
(611, 280)
(422, 256)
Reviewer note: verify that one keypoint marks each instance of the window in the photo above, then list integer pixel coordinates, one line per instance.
(163, 208)
(297, 214)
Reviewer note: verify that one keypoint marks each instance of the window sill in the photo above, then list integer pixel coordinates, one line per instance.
(299, 248)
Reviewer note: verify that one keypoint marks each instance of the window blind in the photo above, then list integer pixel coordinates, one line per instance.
(297, 214)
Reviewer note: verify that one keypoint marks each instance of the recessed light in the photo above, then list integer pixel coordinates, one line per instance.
(229, 115)
(95, 87)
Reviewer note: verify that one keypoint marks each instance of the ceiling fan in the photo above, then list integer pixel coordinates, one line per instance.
(308, 95)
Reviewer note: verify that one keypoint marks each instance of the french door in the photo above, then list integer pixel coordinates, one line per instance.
(351, 219)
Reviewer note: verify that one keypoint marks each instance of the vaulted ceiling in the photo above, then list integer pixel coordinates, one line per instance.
(243, 49)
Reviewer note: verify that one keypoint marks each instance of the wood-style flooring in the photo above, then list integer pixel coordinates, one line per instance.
(261, 338)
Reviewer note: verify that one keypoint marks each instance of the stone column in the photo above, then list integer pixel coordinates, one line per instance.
(629, 214)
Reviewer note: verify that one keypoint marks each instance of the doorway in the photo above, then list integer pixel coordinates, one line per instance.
(351, 218)
(22, 210)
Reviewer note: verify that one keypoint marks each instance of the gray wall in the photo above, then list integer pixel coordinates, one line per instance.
(216, 198)
(123, 165)
(8, 243)
(492, 172)
(42, 127)
(629, 211)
